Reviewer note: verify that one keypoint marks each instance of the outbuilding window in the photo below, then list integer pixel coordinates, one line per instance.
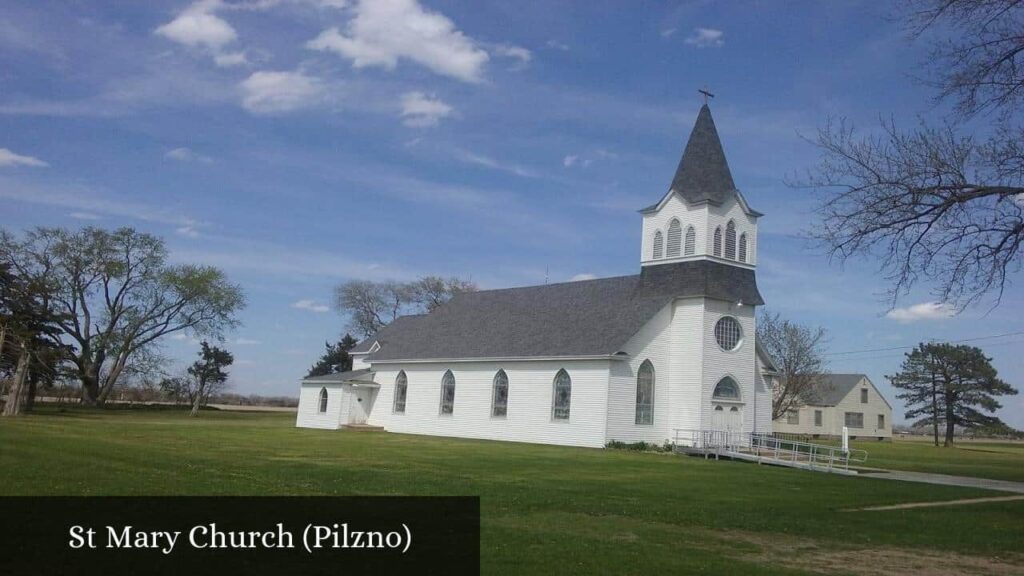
(854, 419)
(863, 395)
(817, 417)
(323, 400)
(675, 238)
(690, 246)
(401, 391)
(881, 421)
(659, 245)
(448, 393)
(562, 400)
(499, 395)
(793, 417)
(726, 389)
(645, 393)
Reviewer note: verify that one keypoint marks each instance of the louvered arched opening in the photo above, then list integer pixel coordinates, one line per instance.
(718, 241)
(730, 240)
(743, 247)
(690, 244)
(659, 245)
(675, 239)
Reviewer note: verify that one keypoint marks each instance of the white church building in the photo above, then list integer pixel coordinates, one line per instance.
(631, 358)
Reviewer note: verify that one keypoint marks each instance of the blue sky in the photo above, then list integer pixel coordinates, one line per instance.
(300, 143)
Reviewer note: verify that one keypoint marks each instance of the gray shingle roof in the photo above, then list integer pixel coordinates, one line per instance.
(339, 376)
(703, 173)
(588, 318)
(835, 387)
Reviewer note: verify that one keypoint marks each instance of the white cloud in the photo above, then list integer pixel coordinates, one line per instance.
(570, 160)
(668, 33)
(247, 342)
(922, 311)
(272, 92)
(198, 26)
(384, 31)
(188, 230)
(706, 38)
(10, 159)
(516, 53)
(555, 44)
(231, 59)
(487, 161)
(85, 216)
(179, 336)
(580, 277)
(311, 305)
(184, 154)
(422, 111)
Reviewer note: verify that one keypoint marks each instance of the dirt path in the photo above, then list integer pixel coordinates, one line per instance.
(946, 480)
(936, 504)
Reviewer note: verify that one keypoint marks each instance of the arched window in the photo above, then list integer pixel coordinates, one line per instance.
(726, 389)
(675, 239)
(718, 241)
(658, 245)
(448, 393)
(743, 247)
(730, 240)
(323, 400)
(562, 397)
(645, 393)
(690, 246)
(401, 391)
(499, 395)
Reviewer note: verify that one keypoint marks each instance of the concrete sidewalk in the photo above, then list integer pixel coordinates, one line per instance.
(944, 479)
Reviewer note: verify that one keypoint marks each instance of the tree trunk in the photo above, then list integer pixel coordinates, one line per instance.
(935, 411)
(950, 420)
(16, 394)
(195, 404)
(90, 385)
(30, 397)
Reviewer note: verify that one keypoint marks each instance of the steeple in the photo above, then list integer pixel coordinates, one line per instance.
(703, 173)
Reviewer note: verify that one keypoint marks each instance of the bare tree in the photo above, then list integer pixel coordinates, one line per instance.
(431, 292)
(116, 296)
(798, 352)
(930, 203)
(373, 305)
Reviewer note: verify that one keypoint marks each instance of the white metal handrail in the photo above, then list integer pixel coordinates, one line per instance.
(768, 447)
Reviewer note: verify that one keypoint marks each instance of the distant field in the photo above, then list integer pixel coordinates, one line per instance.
(545, 509)
(996, 460)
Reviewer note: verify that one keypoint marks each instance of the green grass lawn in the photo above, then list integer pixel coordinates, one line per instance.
(997, 460)
(545, 509)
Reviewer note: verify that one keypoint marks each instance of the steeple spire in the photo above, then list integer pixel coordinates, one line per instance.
(703, 173)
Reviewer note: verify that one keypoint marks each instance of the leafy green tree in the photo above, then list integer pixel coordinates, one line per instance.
(950, 385)
(336, 357)
(208, 373)
(116, 296)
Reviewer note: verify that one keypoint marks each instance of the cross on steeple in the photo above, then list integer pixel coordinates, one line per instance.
(707, 94)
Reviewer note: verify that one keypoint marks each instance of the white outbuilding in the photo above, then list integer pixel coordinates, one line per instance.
(630, 358)
(849, 400)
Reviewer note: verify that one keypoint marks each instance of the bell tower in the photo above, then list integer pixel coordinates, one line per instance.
(702, 216)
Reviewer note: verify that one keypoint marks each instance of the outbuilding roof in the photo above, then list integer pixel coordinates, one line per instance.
(572, 319)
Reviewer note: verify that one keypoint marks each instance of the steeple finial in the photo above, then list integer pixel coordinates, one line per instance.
(707, 94)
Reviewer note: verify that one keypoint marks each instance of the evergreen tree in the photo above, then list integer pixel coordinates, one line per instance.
(945, 384)
(208, 373)
(336, 357)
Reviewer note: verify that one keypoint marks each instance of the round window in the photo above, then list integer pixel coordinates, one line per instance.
(728, 333)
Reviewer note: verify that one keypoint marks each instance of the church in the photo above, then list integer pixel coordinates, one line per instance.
(630, 359)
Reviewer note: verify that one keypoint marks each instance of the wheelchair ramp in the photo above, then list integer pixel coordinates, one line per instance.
(768, 449)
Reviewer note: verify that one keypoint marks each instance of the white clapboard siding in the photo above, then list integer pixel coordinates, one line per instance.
(530, 393)
(738, 364)
(309, 415)
(653, 342)
(685, 366)
(674, 208)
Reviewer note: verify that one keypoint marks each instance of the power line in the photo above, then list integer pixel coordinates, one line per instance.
(865, 351)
